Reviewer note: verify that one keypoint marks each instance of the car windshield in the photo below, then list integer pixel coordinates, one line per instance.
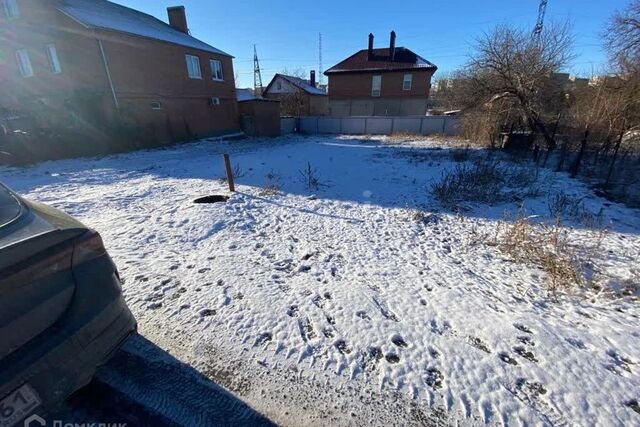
(9, 207)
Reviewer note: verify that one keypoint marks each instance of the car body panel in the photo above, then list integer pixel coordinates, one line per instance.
(62, 313)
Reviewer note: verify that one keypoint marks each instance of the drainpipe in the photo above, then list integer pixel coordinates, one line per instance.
(106, 69)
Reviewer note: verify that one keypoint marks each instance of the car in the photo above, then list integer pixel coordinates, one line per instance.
(62, 312)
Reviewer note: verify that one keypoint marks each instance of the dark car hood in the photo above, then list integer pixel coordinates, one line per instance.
(10, 207)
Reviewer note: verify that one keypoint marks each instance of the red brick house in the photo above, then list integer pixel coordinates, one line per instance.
(70, 56)
(298, 97)
(392, 81)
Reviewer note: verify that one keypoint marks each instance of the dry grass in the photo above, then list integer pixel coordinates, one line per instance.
(545, 246)
(271, 185)
(485, 181)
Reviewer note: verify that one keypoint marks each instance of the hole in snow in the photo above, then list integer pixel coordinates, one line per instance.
(212, 199)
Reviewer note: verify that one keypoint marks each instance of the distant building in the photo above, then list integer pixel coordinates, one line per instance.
(298, 97)
(392, 81)
(72, 57)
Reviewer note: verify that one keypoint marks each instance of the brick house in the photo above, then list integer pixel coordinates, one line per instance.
(65, 57)
(298, 97)
(392, 81)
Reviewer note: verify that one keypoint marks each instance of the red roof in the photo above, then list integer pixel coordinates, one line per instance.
(404, 59)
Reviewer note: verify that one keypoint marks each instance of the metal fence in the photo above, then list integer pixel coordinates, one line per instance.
(375, 125)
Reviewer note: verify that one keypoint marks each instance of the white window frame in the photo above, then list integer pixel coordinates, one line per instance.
(54, 61)
(376, 86)
(193, 67)
(24, 63)
(10, 8)
(214, 101)
(216, 70)
(407, 82)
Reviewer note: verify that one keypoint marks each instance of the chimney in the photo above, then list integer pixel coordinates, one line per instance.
(370, 46)
(312, 81)
(178, 18)
(392, 46)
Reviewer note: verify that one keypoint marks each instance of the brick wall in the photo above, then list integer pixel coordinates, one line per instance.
(358, 85)
(144, 71)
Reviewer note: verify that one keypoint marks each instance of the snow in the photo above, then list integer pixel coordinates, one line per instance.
(335, 305)
(245, 95)
(111, 16)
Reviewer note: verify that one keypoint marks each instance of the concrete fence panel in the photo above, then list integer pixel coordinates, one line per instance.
(353, 125)
(407, 125)
(451, 126)
(329, 125)
(308, 125)
(378, 125)
(432, 125)
(287, 125)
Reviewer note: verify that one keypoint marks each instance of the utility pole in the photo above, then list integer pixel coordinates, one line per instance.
(257, 74)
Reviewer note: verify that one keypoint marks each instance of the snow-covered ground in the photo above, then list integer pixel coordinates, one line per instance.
(338, 304)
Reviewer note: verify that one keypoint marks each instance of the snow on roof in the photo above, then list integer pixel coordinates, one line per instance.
(110, 16)
(300, 83)
(244, 95)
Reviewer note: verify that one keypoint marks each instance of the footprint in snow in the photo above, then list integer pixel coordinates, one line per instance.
(398, 341)
(522, 328)
(531, 389)
(263, 338)
(577, 343)
(633, 405)
(479, 344)
(434, 378)
(392, 358)
(342, 347)
(504, 356)
(619, 361)
(363, 315)
(526, 340)
(293, 311)
(521, 351)
(328, 332)
(306, 329)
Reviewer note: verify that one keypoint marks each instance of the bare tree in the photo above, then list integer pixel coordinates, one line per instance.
(622, 38)
(512, 67)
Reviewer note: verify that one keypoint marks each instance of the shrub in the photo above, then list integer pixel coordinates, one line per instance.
(485, 181)
(310, 178)
(546, 247)
(271, 184)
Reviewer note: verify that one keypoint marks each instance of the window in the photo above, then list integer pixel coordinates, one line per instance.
(214, 101)
(376, 85)
(24, 63)
(156, 105)
(216, 69)
(54, 63)
(406, 83)
(10, 8)
(193, 67)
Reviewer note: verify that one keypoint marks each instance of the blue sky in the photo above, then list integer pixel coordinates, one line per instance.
(286, 32)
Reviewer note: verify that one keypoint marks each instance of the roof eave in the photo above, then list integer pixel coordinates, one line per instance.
(92, 27)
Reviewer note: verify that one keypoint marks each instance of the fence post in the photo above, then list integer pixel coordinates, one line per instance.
(227, 165)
